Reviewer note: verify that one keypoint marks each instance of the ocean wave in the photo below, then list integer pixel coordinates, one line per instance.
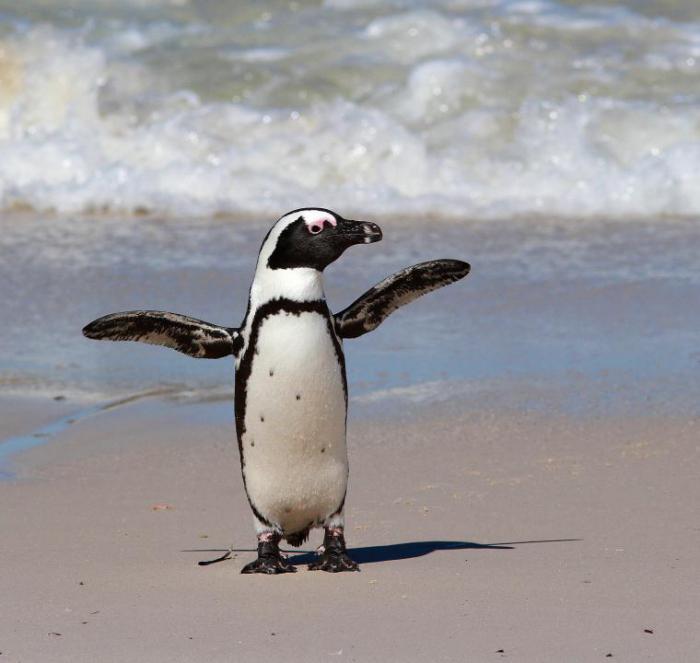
(465, 110)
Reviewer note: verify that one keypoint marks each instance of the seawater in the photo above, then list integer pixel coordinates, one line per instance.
(600, 312)
(450, 108)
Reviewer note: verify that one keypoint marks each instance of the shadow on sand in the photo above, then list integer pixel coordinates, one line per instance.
(394, 551)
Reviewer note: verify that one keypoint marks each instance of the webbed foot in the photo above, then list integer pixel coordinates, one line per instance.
(334, 558)
(334, 563)
(269, 565)
(269, 560)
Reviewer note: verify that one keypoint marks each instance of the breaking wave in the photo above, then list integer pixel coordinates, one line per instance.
(490, 108)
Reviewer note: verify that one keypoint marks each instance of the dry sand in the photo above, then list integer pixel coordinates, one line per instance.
(482, 537)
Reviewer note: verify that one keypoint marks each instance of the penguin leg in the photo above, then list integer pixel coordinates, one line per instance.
(334, 557)
(269, 559)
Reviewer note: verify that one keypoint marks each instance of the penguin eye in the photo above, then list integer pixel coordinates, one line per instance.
(319, 224)
(316, 228)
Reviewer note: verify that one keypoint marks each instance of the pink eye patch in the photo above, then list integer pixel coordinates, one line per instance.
(317, 224)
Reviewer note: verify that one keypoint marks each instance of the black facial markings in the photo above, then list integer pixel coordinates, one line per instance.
(245, 368)
(374, 306)
(190, 336)
(298, 246)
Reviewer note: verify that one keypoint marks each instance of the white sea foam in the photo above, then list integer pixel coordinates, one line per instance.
(468, 109)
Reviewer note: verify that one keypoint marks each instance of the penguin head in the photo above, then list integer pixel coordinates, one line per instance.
(314, 238)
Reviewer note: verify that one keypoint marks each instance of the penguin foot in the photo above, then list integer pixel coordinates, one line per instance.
(334, 558)
(269, 565)
(269, 560)
(334, 563)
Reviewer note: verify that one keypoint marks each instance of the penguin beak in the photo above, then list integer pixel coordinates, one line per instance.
(359, 232)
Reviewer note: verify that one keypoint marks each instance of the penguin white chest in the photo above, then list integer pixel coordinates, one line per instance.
(294, 452)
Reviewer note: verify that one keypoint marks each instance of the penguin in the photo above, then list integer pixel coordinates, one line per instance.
(291, 391)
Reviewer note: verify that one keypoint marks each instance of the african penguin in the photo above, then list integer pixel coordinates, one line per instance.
(290, 384)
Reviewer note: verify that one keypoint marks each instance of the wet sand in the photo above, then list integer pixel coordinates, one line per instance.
(547, 537)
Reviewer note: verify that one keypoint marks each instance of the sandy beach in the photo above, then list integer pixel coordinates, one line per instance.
(525, 488)
(483, 536)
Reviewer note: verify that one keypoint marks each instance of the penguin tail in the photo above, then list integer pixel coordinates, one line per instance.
(298, 538)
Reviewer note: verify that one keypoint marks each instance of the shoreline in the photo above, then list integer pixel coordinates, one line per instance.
(31, 419)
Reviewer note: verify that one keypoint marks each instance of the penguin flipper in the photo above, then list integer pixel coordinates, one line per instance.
(190, 336)
(371, 309)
